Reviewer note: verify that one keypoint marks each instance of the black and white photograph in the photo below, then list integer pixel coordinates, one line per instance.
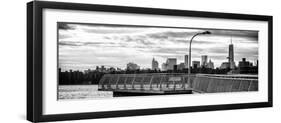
(91, 60)
(97, 60)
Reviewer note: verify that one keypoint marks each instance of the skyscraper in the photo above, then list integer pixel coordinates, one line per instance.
(171, 62)
(204, 61)
(231, 56)
(210, 64)
(186, 61)
(154, 65)
(164, 66)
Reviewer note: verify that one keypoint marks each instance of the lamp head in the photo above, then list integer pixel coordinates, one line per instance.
(206, 32)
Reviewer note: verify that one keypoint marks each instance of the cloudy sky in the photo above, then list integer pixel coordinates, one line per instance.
(84, 46)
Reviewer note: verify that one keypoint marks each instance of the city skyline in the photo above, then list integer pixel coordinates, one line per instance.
(84, 46)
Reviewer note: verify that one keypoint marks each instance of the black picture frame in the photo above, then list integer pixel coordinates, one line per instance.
(34, 60)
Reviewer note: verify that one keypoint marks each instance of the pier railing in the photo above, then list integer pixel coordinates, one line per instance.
(143, 81)
(201, 83)
(225, 83)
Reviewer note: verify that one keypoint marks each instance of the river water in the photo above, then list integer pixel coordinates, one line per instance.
(66, 92)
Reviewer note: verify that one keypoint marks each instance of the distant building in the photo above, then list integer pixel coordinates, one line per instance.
(132, 66)
(204, 61)
(243, 63)
(119, 69)
(111, 69)
(251, 64)
(181, 66)
(164, 67)
(186, 61)
(97, 68)
(195, 64)
(225, 65)
(154, 65)
(210, 64)
(175, 67)
(244, 66)
(87, 71)
(103, 69)
(171, 62)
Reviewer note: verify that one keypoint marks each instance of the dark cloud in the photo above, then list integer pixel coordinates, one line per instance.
(193, 42)
(218, 50)
(97, 43)
(65, 26)
(141, 40)
(111, 29)
(246, 41)
(250, 51)
(218, 57)
(64, 36)
(239, 33)
(158, 36)
(76, 43)
(169, 34)
(145, 42)
(67, 43)
(249, 35)
(165, 56)
(107, 37)
(173, 50)
(107, 31)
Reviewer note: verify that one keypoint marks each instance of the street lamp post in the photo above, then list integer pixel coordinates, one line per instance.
(189, 57)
